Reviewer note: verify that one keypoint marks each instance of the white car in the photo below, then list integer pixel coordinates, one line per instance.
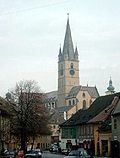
(80, 153)
(36, 153)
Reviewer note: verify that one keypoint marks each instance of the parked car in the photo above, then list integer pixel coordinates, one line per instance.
(80, 153)
(9, 154)
(53, 149)
(36, 153)
(65, 151)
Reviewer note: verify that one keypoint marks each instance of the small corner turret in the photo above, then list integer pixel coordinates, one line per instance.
(110, 88)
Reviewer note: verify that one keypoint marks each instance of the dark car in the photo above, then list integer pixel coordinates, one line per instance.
(65, 151)
(9, 154)
(80, 153)
(36, 153)
(54, 149)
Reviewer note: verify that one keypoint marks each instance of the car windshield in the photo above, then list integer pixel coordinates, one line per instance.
(33, 151)
(83, 151)
(9, 153)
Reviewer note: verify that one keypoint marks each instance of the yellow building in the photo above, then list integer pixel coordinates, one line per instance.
(80, 97)
(102, 130)
(91, 128)
(4, 124)
(44, 142)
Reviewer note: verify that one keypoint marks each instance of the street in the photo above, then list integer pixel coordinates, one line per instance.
(47, 154)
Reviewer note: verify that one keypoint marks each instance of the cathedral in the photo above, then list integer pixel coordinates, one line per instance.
(70, 96)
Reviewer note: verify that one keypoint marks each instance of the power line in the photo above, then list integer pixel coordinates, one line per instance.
(34, 8)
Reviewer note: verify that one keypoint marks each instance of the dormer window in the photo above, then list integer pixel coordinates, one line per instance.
(83, 95)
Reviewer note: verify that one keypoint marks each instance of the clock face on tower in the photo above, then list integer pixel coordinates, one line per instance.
(72, 71)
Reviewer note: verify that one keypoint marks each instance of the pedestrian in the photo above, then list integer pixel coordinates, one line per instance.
(20, 154)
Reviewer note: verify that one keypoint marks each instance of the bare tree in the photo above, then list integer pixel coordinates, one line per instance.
(29, 115)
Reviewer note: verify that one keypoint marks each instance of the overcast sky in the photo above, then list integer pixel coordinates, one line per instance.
(31, 32)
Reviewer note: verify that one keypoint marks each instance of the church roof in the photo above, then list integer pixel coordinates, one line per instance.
(64, 108)
(57, 117)
(50, 96)
(91, 90)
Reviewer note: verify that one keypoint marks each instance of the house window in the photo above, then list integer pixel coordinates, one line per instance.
(84, 104)
(91, 130)
(64, 133)
(82, 130)
(115, 123)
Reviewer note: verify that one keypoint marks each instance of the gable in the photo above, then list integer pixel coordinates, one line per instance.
(117, 109)
(93, 92)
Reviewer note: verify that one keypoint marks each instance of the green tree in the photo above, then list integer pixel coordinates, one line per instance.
(30, 118)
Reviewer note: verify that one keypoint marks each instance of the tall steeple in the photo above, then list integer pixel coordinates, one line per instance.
(68, 50)
(68, 67)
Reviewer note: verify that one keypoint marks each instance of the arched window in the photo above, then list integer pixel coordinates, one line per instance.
(70, 102)
(83, 95)
(71, 65)
(73, 101)
(84, 104)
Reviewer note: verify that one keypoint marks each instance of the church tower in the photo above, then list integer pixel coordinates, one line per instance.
(110, 88)
(68, 67)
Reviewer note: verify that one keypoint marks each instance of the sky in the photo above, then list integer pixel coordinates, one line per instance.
(31, 32)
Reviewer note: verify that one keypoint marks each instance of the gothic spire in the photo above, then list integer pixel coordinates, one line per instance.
(60, 54)
(76, 53)
(68, 50)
